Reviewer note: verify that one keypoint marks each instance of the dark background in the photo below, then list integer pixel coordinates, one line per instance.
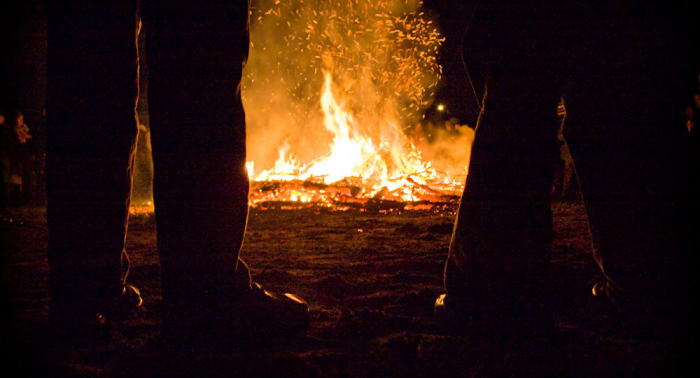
(671, 30)
(23, 51)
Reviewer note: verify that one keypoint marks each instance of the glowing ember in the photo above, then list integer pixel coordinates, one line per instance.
(372, 67)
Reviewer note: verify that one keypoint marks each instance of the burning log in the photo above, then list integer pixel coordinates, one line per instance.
(358, 204)
(304, 191)
(281, 205)
(378, 196)
(434, 207)
(345, 195)
(423, 187)
(371, 164)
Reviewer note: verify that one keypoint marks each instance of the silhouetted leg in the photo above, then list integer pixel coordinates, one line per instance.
(498, 267)
(91, 132)
(624, 166)
(196, 56)
(620, 137)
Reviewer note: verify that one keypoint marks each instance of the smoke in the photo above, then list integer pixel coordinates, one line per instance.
(382, 56)
(448, 149)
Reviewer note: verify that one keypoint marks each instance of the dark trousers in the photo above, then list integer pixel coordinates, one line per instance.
(498, 266)
(196, 55)
(622, 98)
(624, 103)
(499, 261)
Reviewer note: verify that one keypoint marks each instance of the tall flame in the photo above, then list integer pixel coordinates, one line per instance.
(377, 61)
(352, 154)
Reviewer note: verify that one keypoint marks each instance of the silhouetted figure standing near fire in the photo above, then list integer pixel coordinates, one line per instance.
(5, 158)
(196, 55)
(498, 266)
(14, 134)
(620, 68)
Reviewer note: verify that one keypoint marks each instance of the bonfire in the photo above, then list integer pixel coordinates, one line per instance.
(332, 91)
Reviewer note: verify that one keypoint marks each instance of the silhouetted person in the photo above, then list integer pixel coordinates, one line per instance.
(631, 66)
(13, 136)
(499, 262)
(27, 161)
(5, 153)
(196, 55)
(620, 96)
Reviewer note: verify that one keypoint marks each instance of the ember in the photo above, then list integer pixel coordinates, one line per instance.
(372, 67)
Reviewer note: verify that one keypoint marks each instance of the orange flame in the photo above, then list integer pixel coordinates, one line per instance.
(379, 68)
(394, 165)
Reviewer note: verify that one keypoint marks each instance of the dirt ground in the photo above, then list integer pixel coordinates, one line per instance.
(370, 279)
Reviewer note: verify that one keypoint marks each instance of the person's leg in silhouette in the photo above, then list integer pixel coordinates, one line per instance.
(620, 103)
(498, 268)
(196, 55)
(91, 130)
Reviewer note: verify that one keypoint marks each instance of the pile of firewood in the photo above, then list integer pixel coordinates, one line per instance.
(346, 195)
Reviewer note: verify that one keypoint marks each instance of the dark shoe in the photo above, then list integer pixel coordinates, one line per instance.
(449, 313)
(78, 321)
(612, 295)
(269, 313)
(521, 323)
(610, 307)
(129, 300)
(238, 318)
(440, 308)
(82, 330)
